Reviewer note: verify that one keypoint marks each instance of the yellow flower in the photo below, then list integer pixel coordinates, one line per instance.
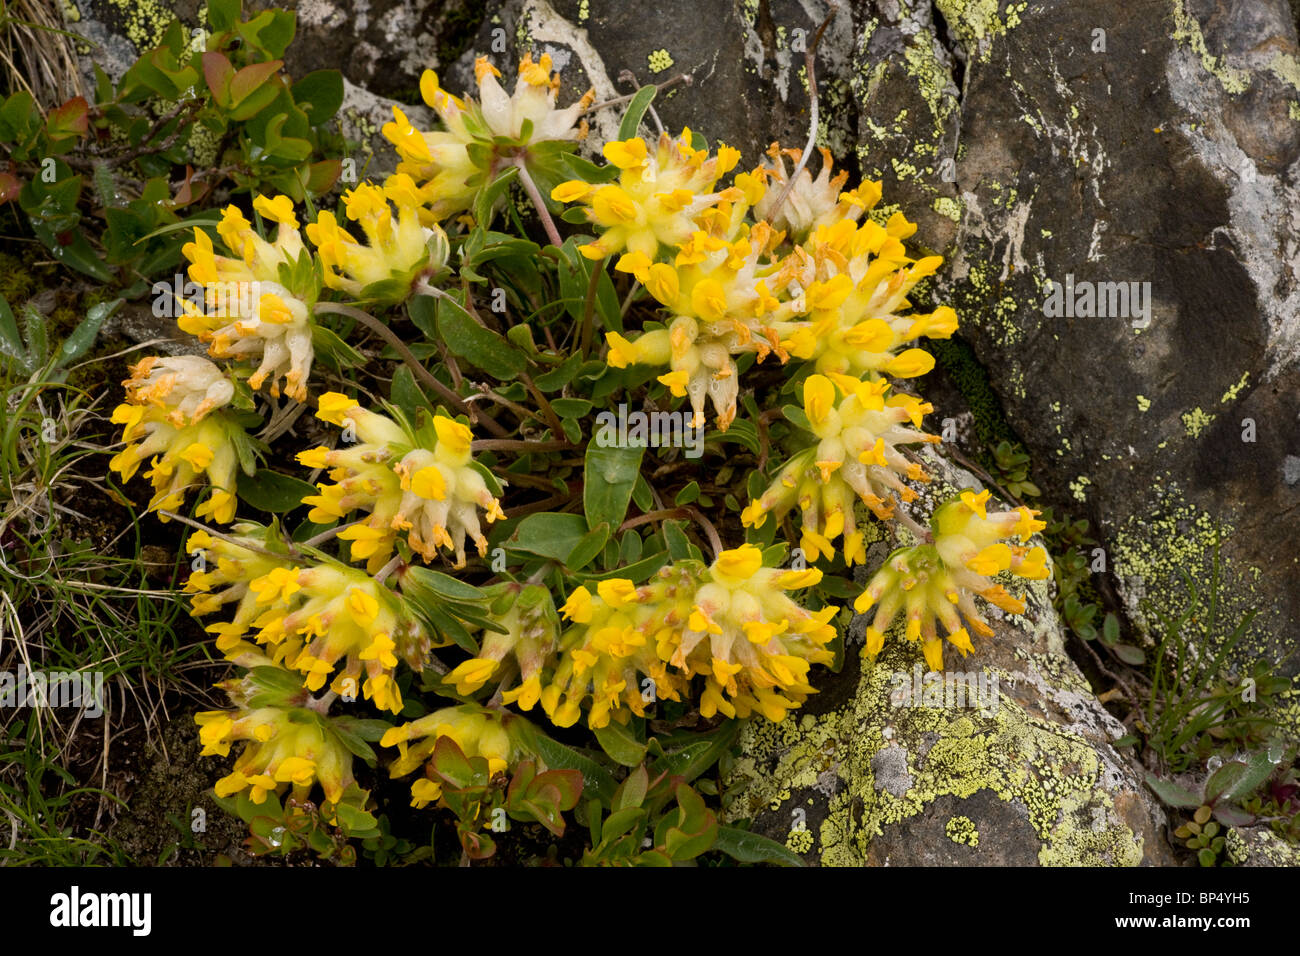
(285, 747)
(857, 458)
(313, 619)
(448, 172)
(477, 731)
(657, 197)
(247, 313)
(810, 203)
(173, 420)
(730, 623)
(519, 654)
(396, 253)
(856, 280)
(933, 584)
(723, 296)
(431, 491)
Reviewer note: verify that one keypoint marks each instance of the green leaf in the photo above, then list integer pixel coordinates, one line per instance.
(569, 407)
(596, 780)
(444, 585)
(701, 753)
(560, 376)
(1171, 793)
(1225, 780)
(272, 491)
(631, 121)
(618, 741)
(223, 14)
(585, 551)
(688, 495)
(11, 343)
(1259, 767)
(479, 346)
(631, 792)
(1129, 654)
(270, 31)
(679, 546)
(754, 848)
(635, 572)
(548, 534)
(83, 336)
(608, 477)
(76, 254)
(320, 93)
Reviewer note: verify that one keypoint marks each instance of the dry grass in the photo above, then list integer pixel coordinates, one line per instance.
(37, 53)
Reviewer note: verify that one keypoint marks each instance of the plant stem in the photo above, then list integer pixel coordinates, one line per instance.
(212, 532)
(710, 532)
(530, 187)
(620, 100)
(388, 568)
(420, 372)
(810, 58)
(511, 444)
(589, 306)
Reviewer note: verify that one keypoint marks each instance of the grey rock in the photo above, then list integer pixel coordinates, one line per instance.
(1019, 769)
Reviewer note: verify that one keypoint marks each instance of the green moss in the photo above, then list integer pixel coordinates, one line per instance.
(958, 360)
(16, 280)
(459, 29)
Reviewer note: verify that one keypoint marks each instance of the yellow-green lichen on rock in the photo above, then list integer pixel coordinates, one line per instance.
(1030, 766)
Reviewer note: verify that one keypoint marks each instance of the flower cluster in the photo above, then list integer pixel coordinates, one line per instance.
(419, 480)
(314, 618)
(450, 165)
(286, 743)
(173, 419)
(732, 280)
(525, 644)
(934, 583)
(396, 253)
(856, 458)
(730, 623)
(281, 751)
(248, 313)
(476, 731)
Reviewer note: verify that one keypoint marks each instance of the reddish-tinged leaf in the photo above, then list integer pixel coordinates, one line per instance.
(70, 119)
(250, 78)
(10, 187)
(218, 72)
(321, 177)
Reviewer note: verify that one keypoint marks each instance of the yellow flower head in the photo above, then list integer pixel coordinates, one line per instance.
(285, 748)
(477, 731)
(933, 584)
(855, 281)
(723, 296)
(321, 618)
(810, 203)
(730, 623)
(173, 419)
(247, 314)
(397, 251)
(527, 646)
(856, 458)
(421, 481)
(447, 171)
(657, 198)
